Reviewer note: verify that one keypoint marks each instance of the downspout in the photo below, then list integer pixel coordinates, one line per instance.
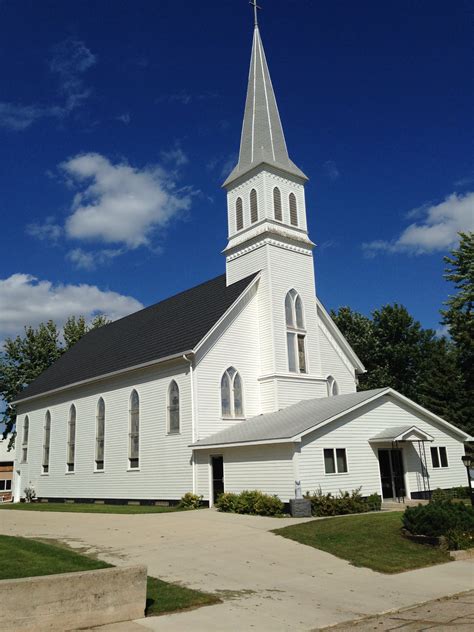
(193, 420)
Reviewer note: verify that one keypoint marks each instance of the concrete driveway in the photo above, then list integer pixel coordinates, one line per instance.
(268, 583)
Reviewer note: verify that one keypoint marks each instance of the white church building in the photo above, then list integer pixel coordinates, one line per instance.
(243, 382)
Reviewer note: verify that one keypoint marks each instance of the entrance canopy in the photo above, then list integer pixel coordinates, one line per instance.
(401, 433)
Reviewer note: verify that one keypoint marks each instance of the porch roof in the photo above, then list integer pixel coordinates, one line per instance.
(401, 433)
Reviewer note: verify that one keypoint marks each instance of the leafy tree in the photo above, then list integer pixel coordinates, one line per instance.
(23, 358)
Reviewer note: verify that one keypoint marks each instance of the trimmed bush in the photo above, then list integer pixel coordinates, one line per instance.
(250, 502)
(454, 521)
(190, 501)
(343, 503)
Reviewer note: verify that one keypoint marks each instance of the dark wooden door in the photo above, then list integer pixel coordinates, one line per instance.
(217, 464)
(392, 473)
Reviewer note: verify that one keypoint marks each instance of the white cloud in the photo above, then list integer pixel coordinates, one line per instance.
(71, 58)
(47, 231)
(88, 260)
(175, 156)
(436, 231)
(124, 118)
(119, 204)
(25, 300)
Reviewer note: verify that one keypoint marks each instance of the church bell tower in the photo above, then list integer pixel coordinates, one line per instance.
(267, 233)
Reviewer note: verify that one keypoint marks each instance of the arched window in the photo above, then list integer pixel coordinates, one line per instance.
(295, 333)
(253, 206)
(293, 210)
(134, 432)
(277, 204)
(71, 439)
(24, 440)
(46, 441)
(100, 435)
(239, 214)
(173, 408)
(231, 394)
(333, 388)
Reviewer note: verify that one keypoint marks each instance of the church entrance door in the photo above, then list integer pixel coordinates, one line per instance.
(217, 473)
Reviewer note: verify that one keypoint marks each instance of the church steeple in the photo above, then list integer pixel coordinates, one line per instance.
(262, 140)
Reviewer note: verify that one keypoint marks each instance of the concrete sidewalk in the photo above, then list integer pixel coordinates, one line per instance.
(268, 583)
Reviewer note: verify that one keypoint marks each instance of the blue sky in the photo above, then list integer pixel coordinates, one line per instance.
(119, 121)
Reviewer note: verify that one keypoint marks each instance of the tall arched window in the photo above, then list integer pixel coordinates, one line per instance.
(71, 439)
(173, 408)
(253, 206)
(100, 436)
(239, 214)
(231, 394)
(46, 441)
(134, 432)
(333, 388)
(277, 204)
(295, 333)
(24, 440)
(293, 210)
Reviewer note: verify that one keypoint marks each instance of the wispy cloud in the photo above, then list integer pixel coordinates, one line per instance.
(331, 171)
(174, 156)
(124, 118)
(70, 60)
(49, 230)
(185, 97)
(437, 229)
(27, 300)
(222, 165)
(89, 260)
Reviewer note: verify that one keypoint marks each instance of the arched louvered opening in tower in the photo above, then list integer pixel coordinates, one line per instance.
(293, 210)
(277, 213)
(239, 214)
(253, 206)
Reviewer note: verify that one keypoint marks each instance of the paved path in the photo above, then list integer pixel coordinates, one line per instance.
(268, 583)
(452, 613)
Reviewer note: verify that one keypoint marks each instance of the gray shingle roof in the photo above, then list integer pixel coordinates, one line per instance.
(262, 139)
(288, 422)
(172, 326)
(390, 434)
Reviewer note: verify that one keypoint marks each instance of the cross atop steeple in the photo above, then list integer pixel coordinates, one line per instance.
(256, 7)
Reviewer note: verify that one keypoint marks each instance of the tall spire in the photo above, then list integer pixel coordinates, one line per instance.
(262, 139)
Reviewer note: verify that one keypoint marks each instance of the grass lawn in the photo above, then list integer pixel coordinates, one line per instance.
(22, 557)
(372, 540)
(88, 508)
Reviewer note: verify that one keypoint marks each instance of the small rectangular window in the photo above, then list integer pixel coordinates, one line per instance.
(443, 456)
(301, 354)
(335, 461)
(434, 457)
(329, 463)
(290, 339)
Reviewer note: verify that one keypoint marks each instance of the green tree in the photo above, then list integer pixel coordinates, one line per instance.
(24, 357)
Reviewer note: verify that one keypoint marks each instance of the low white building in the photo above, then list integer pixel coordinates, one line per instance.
(243, 382)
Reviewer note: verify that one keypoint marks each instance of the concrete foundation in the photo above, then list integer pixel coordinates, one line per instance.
(73, 600)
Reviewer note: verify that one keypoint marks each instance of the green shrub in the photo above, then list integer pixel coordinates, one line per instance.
(374, 502)
(460, 492)
(440, 495)
(250, 502)
(342, 503)
(190, 501)
(455, 521)
(227, 502)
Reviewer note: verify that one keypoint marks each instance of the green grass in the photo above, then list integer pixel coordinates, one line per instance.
(371, 540)
(88, 508)
(163, 597)
(22, 557)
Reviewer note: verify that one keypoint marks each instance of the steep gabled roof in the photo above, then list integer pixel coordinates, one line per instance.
(262, 139)
(173, 326)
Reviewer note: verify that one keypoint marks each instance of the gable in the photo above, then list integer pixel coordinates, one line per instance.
(337, 340)
(167, 329)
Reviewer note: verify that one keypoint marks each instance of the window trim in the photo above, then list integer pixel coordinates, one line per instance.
(293, 209)
(68, 441)
(168, 429)
(295, 331)
(332, 385)
(231, 378)
(47, 424)
(130, 467)
(24, 442)
(96, 469)
(277, 219)
(253, 197)
(336, 468)
(437, 450)
(239, 214)
(6, 480)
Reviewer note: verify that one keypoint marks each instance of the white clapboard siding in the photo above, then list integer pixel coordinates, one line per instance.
(235, 345)
(335, 363)
(353, 433)
(165, 471)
